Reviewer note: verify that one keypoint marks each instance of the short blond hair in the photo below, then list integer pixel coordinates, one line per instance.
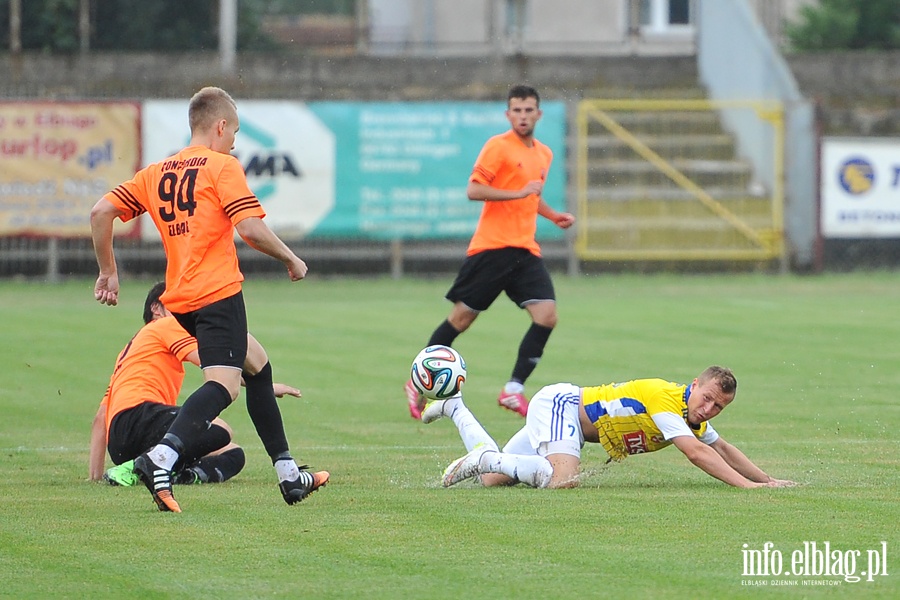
(722, 376)
(208, 106)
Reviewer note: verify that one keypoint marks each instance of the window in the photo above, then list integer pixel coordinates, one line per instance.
(515, 18)
(658, 16)
(680, 12)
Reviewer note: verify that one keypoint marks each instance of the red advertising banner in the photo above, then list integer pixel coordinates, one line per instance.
(58, 158)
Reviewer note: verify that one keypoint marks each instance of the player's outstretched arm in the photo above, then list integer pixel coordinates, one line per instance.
(746, 467)
(97, 460)
(563, 220)
(258, 235)
(711, 462)
(106, 289)
(481, 192)
(256, 360)
(282, 390)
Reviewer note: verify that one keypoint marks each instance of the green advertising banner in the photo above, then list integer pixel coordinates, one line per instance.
(401, 169)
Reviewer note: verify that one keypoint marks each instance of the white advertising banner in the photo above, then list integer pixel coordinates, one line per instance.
(860, 187)
(286, 151)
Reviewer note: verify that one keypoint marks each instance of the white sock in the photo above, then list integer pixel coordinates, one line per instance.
(530, 470)
(470, 430)
(450, 405)
(163, 456)
(513, 387)
(286, 469)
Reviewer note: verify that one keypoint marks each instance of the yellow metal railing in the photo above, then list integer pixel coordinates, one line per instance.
(694, 208)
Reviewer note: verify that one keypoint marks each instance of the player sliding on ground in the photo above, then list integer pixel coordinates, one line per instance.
(643, 415)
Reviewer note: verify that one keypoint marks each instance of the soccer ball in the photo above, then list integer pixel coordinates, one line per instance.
(438, 372)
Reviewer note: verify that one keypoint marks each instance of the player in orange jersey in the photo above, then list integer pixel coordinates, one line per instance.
(140, 404)
(503, 255)
(197, 198)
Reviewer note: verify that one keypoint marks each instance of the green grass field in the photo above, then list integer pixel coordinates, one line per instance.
(818, 364)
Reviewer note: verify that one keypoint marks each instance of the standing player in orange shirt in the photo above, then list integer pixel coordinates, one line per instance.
(197, 198)
(503, 255)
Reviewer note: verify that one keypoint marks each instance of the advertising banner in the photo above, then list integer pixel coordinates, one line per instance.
(363, 170)
(860, 187)
(404, 167)
(58, 159)
(288, 154)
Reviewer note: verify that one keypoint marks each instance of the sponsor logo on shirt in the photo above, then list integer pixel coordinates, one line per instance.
(635, 442)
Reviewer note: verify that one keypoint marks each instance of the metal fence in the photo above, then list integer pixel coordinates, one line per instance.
(53, 259)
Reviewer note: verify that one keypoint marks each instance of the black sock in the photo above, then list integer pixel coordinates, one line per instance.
(262, 406)
(444, 335)
(220, 467)
(198, 411)
(208, 440)
(530, 351)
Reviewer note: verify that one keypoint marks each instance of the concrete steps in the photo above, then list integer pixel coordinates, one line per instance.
(673, 185)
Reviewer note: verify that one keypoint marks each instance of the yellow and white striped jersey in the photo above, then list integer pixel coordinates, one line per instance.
(642, 415)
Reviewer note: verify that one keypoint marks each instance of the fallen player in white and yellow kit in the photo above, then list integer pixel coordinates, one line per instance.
(643, 415)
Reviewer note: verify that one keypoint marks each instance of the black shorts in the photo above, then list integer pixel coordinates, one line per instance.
(221, 332)
(516, 271)
(138, 429)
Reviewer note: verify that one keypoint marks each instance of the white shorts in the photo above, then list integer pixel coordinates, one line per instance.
(552, 425)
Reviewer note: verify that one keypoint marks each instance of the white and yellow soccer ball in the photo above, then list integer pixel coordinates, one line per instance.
(438, 372)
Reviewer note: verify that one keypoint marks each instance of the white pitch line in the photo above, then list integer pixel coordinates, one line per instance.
(299, 448)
